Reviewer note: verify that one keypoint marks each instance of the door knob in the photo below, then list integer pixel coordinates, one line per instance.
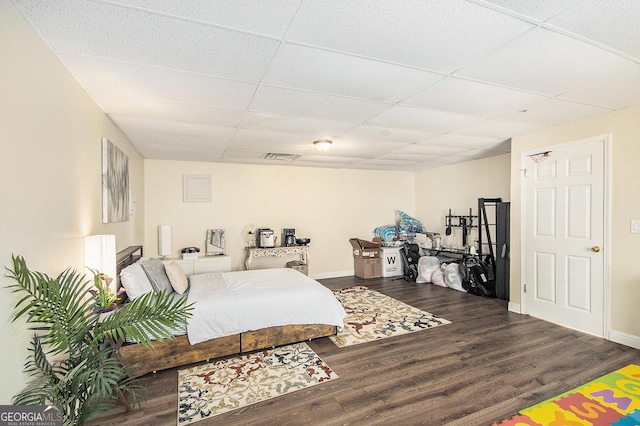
(595, 249)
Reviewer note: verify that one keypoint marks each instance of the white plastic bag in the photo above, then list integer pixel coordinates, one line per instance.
(437, 277)
(427, 265)
(452, 277)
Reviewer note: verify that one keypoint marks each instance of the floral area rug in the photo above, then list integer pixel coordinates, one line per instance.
(218, 387)
(613, 399)
(372, 316)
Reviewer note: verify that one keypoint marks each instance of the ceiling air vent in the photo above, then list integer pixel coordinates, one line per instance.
(275, 156)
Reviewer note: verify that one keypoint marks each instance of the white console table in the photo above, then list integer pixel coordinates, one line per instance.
(205, 264)
(254, 252)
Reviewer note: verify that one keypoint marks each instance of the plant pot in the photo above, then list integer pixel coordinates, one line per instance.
(108, 309)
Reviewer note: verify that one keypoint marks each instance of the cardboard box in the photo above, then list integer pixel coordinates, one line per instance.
(367, 268)
(391, 262)
(299, 266)
(364, 249)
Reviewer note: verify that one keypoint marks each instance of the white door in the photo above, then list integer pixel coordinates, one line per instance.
(564, 237)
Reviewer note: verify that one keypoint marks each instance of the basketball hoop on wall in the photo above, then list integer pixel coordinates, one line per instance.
(540, 157)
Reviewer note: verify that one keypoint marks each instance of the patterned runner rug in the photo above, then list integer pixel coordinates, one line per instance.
(373, 316)
(613, 399)
(218, 387)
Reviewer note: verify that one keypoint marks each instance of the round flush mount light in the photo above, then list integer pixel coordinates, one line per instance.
(322, 144)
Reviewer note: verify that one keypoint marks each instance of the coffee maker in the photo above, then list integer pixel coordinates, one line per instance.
(288, 237)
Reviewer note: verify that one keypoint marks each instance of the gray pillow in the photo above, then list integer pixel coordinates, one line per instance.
(154, 268)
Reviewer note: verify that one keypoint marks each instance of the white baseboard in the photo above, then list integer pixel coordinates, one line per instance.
(335, 274)
(624, 339)
(514, 307)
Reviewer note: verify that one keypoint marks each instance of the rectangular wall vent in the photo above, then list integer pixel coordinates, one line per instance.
(275, 156)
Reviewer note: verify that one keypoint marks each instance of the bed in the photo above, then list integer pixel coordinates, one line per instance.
(237, 312)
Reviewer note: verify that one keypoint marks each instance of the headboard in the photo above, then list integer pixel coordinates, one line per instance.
(127, 257)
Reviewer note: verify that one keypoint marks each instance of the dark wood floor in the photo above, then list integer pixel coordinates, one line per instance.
(482, 368)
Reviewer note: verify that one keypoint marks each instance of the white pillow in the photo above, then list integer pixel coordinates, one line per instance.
(135, 281)
(177, 277)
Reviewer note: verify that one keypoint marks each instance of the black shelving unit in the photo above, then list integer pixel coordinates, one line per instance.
(493, 241)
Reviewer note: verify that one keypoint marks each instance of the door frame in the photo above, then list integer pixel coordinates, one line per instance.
(607, 141)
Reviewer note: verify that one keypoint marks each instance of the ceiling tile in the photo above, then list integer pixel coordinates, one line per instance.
(286, 138)
(270, 17)
(539, 9)
(461, 141)
(326, 159)
(282, 123)
(157, 109)
(444, 35)
(273, 100)
(497, 129)
(319, 70)
(431, 121)
(120, 78)
(612, 23)
(386, 134)
(553, 112)
(102, 30)
(231, 154)
(395, 164)
(364, 147)
(616, 94)
(181, 156)
(430, 150)
(472, 98)
(157, 145)
(545, 62)
(264, 147)
(211, 133)
(408, 156)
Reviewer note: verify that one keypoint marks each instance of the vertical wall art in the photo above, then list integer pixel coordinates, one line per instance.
(115, 183)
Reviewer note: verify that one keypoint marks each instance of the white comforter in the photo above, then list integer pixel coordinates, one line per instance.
(227, 303)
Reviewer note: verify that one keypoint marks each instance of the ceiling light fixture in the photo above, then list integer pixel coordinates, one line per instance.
(322, 144)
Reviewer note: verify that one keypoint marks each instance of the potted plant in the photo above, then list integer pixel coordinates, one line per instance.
(105, 298)
(69, 363)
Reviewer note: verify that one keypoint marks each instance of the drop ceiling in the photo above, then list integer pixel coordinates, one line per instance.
(395, 84)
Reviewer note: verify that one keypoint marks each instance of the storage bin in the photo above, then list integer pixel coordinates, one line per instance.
(391, 262)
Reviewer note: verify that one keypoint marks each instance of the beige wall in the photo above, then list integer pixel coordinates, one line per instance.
(327, 205)
(51, 175)
(624, 127)
(458, 187)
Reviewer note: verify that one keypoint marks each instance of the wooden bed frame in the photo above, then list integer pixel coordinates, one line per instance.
(178, 351)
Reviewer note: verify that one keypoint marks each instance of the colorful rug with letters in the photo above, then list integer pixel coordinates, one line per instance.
(372, 316)
(613, 399)
(210, 389)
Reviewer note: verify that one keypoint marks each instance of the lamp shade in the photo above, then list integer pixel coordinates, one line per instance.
(100, 254)
(164, 240)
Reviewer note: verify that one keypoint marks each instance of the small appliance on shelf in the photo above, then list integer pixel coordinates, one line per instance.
(190, 252)
(265, 238)
(288, 237)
